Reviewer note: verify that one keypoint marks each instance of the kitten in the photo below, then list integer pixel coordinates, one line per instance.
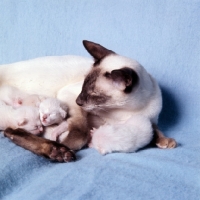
(15, 98)
(25, 117)
(52, 111)
(53, 115)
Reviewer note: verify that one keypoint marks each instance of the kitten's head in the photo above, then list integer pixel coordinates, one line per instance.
(111, 80)
(52, 111)
(28, 119)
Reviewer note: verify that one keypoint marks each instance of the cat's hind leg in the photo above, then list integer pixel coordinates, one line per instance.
(161, 141)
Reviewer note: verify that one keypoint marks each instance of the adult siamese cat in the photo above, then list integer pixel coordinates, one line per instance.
(112, 90)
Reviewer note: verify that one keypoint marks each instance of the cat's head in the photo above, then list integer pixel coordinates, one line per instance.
(52, 111)
(111, 81)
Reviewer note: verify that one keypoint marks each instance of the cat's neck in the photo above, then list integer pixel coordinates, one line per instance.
(110, 117)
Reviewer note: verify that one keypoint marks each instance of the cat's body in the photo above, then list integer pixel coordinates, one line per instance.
(114, 89)
(116, 92)
(25, 117)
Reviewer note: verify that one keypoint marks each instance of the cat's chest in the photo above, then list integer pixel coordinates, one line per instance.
(117, 117)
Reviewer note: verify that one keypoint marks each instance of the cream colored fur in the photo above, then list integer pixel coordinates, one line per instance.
(145, 100)
(15, 97)
(125, 120)
(62, 77)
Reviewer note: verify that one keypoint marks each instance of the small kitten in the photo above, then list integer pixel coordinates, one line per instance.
(25, 117)
(15, 98)
(52, 115)
(52, 111)
(130, 136)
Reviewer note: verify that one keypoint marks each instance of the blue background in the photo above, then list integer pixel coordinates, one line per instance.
(164, 36)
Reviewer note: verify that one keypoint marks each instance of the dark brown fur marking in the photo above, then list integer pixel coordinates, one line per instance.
(96, 50)
(126, 75)
(88, 90)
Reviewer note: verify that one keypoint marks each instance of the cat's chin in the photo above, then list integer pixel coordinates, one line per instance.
(93, 110)
(88, 108)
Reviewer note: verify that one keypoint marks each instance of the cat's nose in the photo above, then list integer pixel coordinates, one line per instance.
(79, 101)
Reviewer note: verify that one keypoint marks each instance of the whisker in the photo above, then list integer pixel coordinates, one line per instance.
(100, 108)
(115, 105)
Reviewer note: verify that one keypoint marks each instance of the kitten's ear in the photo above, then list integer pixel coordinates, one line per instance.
(22, 122)
(63, 113)
(96, 50)
(124, 79)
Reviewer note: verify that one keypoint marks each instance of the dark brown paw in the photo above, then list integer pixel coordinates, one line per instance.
(165, 143)
(62, 154)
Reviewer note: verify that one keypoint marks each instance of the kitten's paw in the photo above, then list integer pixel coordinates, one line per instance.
(62, 154)
(165, 143)
(54, 136)
(92, 131)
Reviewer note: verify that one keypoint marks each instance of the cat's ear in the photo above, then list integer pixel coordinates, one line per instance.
(63, 113)
(22, 122)
(124, 79)
(96, 50)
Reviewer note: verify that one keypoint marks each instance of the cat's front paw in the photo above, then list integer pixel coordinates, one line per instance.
(101, 150)
(165, 143)
(62, 154)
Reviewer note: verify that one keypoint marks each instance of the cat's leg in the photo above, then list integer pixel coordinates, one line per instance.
(161, 141)
(130, 136)
(78, 131)
(40, 146)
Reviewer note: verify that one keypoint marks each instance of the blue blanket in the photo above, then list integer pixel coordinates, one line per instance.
(164, 36)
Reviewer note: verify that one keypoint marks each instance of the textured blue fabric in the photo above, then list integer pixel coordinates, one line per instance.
(164, 36)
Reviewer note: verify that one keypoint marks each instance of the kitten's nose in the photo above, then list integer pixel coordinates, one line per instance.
(44, 116)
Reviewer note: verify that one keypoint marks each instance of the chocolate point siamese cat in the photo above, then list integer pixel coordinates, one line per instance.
(106, 91)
